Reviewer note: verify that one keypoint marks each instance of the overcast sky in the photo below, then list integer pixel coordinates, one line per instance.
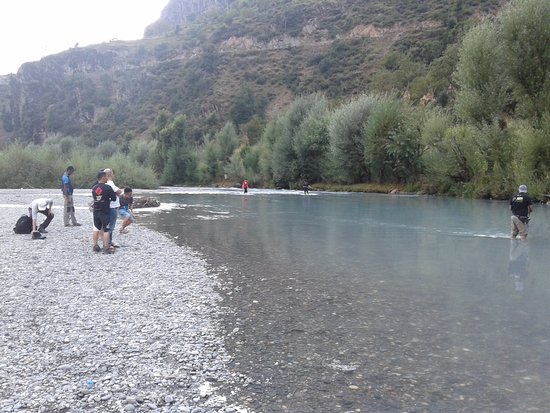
(32, 29)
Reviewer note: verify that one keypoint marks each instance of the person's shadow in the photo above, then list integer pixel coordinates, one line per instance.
(518, 263)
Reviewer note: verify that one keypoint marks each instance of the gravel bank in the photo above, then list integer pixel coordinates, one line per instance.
(135, 331)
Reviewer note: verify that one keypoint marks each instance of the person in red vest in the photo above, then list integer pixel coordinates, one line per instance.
(245, 186)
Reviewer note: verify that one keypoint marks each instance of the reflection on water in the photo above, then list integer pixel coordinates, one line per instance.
(517, 267)
(356, 302)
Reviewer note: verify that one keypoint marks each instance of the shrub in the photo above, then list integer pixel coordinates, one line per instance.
(392, 142)
(106, 149)
(140, 152)
(30, 166)
(42, 167)
(483, 86)
(347, 145)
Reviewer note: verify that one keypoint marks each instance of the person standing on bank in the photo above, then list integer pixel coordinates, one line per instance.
(68, 203)
(114, 204)
(43, 206)
(521, 206)
(103, 195)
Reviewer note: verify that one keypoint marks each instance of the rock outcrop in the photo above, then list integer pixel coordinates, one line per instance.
(179, 12)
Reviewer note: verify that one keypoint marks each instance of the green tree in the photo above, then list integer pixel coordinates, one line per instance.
(274, 128)
(181, 166)
(235, 168)
(533, 150)
(253, 129)
(169, 135)
(251, 162)
(283, 160)
(440, 75)
(312, 146)
(346, 139)
(140, 152)
(525, 30)
(246, 105)
(454, 161)
(106, 149)
(211, 160)
(397, 73)
(227, 140)
(219, 149)
(285, 163)
(484, 87)
(392, 142)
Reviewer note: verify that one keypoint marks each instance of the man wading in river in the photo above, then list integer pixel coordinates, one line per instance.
(521, 206)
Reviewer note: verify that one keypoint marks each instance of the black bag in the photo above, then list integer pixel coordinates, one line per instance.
(23, 225)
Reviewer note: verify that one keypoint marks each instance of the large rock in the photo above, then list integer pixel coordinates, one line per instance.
(146, 202)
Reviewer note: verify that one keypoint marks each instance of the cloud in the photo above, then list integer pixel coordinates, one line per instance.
(32, 29)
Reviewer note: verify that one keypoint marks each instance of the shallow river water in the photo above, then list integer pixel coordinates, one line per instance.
(373, 303)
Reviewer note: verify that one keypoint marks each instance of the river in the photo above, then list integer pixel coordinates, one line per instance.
(341, 302)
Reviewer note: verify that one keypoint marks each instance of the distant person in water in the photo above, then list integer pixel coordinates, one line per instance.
(306, 187)
(245, 186)
(521, 206)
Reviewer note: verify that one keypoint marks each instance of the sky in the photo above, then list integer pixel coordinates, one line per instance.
(32, 29)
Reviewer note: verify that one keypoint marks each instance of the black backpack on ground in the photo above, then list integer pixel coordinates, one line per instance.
(23, 225)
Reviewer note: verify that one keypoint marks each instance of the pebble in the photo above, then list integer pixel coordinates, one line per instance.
(142, 323)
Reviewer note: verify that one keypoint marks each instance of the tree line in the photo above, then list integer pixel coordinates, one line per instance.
(491, 133)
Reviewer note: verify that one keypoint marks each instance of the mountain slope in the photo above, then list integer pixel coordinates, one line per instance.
(202, 56)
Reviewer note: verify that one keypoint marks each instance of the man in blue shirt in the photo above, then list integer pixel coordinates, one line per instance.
(68, 204)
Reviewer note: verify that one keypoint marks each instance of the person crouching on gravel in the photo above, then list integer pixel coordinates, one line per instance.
(43, 206)
(126, 210)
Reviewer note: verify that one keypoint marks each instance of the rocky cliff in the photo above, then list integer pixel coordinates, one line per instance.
(179, 12)
(202, 56)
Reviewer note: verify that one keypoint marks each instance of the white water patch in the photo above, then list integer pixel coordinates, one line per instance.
(211, 217)
(495, 235)
(492, 233)
(163, 207)
(225, 191)
(197, 205)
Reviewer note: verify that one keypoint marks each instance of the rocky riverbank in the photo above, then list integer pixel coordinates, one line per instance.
(135, 331)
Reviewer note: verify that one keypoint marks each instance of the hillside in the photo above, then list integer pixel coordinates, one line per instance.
(220, 60)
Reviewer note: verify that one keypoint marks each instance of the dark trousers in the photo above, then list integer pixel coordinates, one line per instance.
(49, 217)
